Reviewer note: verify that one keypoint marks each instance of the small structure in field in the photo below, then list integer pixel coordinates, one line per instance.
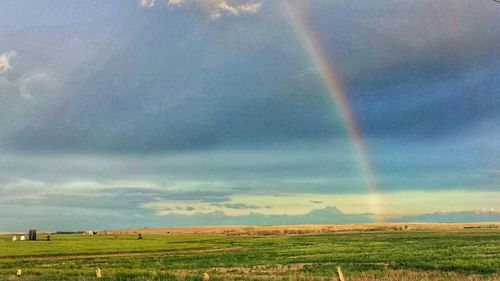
(139, 236)
(13, 238)
(32, 235)
(89, 232)
(22, 238)
(206, 277)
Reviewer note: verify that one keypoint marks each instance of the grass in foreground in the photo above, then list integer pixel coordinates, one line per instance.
(387, 255)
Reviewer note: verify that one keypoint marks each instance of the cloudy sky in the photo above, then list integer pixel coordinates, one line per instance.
(178, 112)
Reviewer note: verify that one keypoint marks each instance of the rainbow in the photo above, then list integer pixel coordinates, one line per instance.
(318, 53)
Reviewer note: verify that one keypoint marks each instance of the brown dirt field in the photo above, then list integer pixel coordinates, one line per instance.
(300, 229)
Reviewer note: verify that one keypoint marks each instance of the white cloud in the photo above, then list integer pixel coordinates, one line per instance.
(224, 8)
(5, 61)
(216, 8)
(147, 3)
(175, 2)
(28, 84)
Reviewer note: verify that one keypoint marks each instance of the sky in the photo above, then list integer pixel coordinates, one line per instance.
(187, 112)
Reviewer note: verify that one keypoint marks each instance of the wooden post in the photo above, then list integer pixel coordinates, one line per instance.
(19, 273)
(98, 273)
(339, 274)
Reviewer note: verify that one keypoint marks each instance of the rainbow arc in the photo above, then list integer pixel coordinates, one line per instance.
(316, 49)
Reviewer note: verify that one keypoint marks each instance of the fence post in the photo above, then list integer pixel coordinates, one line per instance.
(339, 274)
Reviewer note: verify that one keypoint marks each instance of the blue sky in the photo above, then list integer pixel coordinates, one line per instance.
(130, 113)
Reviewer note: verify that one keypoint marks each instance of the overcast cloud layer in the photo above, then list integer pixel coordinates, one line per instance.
(193, 108)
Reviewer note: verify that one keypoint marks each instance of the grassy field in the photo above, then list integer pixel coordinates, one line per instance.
(468, 254)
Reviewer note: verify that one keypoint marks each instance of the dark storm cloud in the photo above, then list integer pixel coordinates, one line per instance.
(198, 111)
(109, 199)
(218, 106)
(181, 83)
(418, 69)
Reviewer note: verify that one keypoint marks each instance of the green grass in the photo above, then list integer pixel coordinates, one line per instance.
(73, 257)
(61, 245)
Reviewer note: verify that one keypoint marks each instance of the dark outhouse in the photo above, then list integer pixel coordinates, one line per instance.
(32, 234)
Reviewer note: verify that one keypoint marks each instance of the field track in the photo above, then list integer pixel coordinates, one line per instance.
(125, 254)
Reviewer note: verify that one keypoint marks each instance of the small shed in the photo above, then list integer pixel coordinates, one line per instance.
(32, 234)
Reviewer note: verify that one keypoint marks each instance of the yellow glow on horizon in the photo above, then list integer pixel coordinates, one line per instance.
(401, 203)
